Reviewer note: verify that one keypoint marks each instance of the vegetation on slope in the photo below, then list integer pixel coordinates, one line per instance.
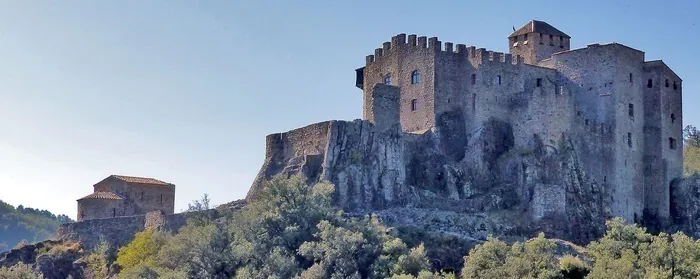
(292, 231)
(24, 224)
(691, 150)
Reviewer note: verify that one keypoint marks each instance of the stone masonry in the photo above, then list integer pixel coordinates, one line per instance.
(119, 195)
(568, 137)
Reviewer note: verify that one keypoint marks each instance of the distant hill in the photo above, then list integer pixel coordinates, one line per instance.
(26, 224)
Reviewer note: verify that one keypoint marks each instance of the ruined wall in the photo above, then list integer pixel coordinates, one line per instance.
(295, 151)
(398, 59)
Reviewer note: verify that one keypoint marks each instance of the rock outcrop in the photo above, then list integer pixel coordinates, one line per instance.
(465, 183)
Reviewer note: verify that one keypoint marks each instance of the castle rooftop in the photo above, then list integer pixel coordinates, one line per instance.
(537, 26)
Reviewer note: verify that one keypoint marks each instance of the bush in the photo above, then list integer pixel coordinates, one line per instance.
(142, 250)
(20, 271)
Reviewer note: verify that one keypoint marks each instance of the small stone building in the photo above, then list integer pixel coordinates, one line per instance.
(119, 195)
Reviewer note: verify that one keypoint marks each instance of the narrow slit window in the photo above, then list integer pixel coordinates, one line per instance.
(671, 143)
(473, 79)
(541, 38)
(631, 79)
(551, 40)
(161, 198)
(414, 104)
(650, 83)
(561, 42)
(675, 86)
(473, 102)
(539, 82)
(498, 80)
(673, 118)
(629, 139)
(114, 212)
(630, 110)
(415, 77)
(666, 83)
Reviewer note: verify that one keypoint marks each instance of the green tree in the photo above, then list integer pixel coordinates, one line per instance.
(142, 250)
(486, 260)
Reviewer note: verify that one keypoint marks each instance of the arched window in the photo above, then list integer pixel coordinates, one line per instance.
(387, 80)
(415, 77)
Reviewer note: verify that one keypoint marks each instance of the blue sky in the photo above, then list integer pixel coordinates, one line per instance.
(185, 91)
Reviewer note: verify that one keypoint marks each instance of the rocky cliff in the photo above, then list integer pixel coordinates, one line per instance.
(466, 183)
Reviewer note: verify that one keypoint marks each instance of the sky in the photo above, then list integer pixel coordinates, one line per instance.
(186, 91)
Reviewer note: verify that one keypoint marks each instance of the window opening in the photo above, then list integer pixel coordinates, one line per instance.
(473, 79)
(415, 77)
(649, 83)
(671, 143)
(539, 82)
(414, 104)
(629, 139)
(630, 110)
(666, 83)
(387, 80)
(673, 118)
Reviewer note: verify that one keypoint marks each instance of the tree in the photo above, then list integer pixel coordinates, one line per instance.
(20, 271)
(142, 250)
(691, 136)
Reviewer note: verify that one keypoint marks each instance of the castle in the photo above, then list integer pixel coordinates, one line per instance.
(623, 113)
(119, 195)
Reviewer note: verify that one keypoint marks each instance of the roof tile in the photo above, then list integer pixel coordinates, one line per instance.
(103, 196)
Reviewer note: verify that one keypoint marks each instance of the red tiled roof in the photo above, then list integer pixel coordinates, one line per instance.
(103, 196)
(140, 180)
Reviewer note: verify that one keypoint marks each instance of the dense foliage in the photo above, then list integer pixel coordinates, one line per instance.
(24, 224)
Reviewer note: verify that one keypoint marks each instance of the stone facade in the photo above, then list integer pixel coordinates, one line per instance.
(117, 196)
(549, 138)
(627, 110)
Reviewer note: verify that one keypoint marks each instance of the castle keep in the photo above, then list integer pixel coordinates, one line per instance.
(119, 195)
(621, 113)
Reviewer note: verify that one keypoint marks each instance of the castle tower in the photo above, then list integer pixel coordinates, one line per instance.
(536, 41)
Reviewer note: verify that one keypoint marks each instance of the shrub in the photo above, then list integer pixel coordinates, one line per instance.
(142, 250)
(20, 271)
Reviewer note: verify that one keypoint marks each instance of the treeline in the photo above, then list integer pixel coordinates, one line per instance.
(25, 224)
(292, 230)
(691, 150)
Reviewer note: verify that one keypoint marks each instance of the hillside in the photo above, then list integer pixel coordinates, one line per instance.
(24, 223)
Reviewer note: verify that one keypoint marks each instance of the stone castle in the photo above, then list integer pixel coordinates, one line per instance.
(119, 195)
(629, 108)
(566, 137)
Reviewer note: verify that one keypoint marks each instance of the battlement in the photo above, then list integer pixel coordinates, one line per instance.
(434, 45)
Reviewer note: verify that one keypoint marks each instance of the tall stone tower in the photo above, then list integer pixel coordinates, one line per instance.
(536, 41)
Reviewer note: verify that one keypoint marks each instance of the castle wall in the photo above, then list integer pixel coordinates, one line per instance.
(599, 77)
(663, 112)
(117, 231)
(398, 59)
(281, 148)
(386, 107)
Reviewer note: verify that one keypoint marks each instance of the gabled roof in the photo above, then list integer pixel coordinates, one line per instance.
(138, 180)
(537, 26)
(102, 196)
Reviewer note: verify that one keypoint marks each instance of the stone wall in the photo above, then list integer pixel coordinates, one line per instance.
(117, 231)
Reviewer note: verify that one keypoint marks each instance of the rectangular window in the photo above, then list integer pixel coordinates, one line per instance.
(561, 42)
(673, 118)
(539, 82)
(630, 110)
(473, 79)
(551, 40)
(650, 83)
(387, 80)
(629, 139)
(473, 102)
(414, 104)
(671, 143)
(161, 198)
(541, 39)
(498, 80)
(114, 212)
